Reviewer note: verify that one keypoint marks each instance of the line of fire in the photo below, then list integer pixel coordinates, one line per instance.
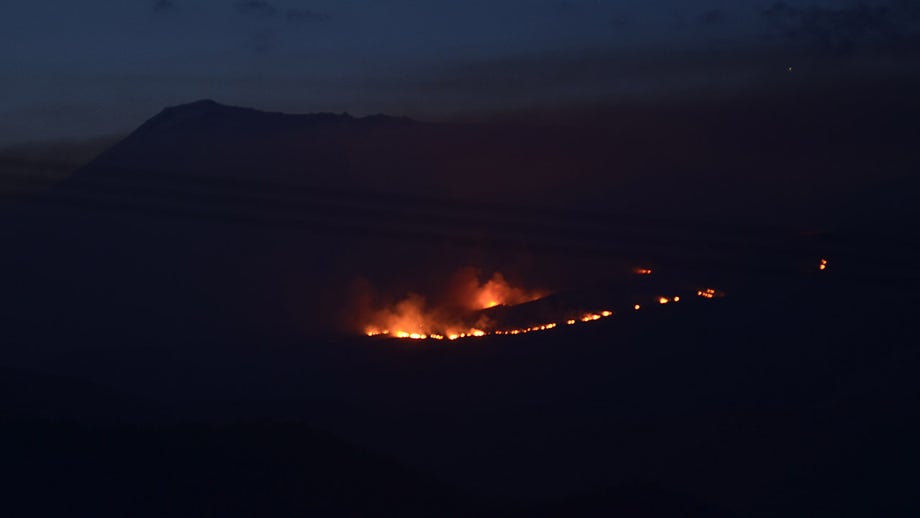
(498, 309)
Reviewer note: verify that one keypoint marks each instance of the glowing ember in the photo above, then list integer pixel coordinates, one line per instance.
(823, 265)
(710, 293)
(637, 307)
(663, 300)
(643, 271)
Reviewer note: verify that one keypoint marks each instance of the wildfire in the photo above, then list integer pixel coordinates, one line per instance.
(454, 315)
(497, 292)
(477, 333)
(642, 271)
(822, 265)
(462, 315)
(710, 293)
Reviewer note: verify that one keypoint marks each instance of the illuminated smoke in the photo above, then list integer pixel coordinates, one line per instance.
(469, 292)
(453, 312)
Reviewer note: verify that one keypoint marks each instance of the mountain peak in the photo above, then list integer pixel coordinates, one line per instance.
(203, 105)
(218, 114)
(203, 102)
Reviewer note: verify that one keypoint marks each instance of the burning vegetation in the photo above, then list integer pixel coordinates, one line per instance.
(710, 293)
(471, 306)
(458, 313)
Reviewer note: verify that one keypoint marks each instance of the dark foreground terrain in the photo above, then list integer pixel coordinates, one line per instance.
(798, 400)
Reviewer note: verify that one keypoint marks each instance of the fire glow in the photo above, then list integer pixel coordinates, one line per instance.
(462, 313)
(710, 293)
(458, 316)
(478, 333)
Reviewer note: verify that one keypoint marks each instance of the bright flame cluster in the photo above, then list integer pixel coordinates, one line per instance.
(710, 293)
(822, 265)
(525, 330)
(477, 333)
(454, 315)
(432, 336)
(591, 317)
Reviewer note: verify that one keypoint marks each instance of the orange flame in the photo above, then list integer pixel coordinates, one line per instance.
(710, 293)
(461, 315)
(497, 292)
(415, 318)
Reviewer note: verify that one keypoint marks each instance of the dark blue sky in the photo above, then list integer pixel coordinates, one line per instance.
(87, 68)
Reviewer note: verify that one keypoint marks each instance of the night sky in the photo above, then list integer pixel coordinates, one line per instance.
(82, 69)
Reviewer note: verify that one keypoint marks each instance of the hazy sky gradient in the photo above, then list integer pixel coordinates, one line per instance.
(87, 68)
